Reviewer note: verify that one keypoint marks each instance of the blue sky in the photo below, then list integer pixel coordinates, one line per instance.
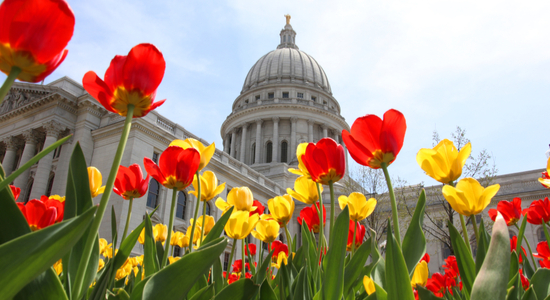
(482, 65)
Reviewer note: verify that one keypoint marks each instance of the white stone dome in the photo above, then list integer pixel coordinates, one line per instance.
(287, 64)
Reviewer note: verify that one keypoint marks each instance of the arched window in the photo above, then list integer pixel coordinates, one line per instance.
(182, 204)
(253, 160)
(269, 152)
(177, 251)
(207, 208)
(540, 235)
(284, 147)
(153, 194)
(50, 185)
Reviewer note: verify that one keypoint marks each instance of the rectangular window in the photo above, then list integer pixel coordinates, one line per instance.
(270, 95)
(313, 99)
(156, 157)
(300, 95)
(177, 251)
(257, 97)
(225, 260)
(285, 95)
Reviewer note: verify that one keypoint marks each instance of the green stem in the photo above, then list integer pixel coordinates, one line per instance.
(270, 258)
(474, 223)
(288, 239)
(465, 232)
(228, 272)
(353, 239)
(261, 258)
(320, 212)
(203, 220)
(331, 186)
(172, 251)
(8, 82)
(395, 219)
(546, 232)
(243, 272)
(92, 236)
(518, 248)
(192, 237)
(127, 219)
(170, 225)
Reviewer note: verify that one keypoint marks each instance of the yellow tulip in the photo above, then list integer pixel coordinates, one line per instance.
(172, 259)
(281, 258)
(469, 197)
(369, 285)
(95, 181)
(58, 267)
(136, 260)
(208, 225)
(103, 246)
(175, 240)
(57, 197)
(281, 208)
(160, 231)
(420, 275)
(240, 197)
(197, 235)
(124, 270)
(266, 230)
(545, 181)
(209, 186)
(444, 162)
(240, 224)
(305, 190)
(109, 252)
(359, 207)
(302, 170)
(101, 264)
(205, 152)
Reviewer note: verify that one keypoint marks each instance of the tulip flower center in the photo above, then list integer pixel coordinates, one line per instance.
(172, 182)
(22, 59)
(123, 97)
(34, 227)
(380, 157)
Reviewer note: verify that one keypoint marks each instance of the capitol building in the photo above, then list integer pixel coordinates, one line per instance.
(286, 99)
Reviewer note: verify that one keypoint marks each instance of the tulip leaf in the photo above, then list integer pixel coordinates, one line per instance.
(46, 286)
(424, 294)
(28, 256)
(217, 230)
(150, 261)
(206, 293)
(380, 293)
(540, 283)
(414, 242)
(520, 234)
(482, 245)
(333, 281)
(137, 293)
(398, 283)
(302, 291)
(217, 276)
(529, 294)
(4, 183)
(493, 276)
(241, 289)
(464, 259)
(179, 277)
(199, 285)
(260, 275)
(514, 265)
(160, 252)
(355, 266)
(266, 292)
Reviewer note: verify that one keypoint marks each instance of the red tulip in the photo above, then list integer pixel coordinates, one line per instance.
(425, 258)
(538, 212)
(129, 182)
(359, 235)
(524, 281)
(59, 206)
(543, 254)
(451, 267)
(510, 210)
(325, 161)
(513, 246)
(259, 208)
(373, 141)
(131, 79)
(38, 214)
(33, 36)
(437, 284)
(15, 191)
(176, 168)
(311, 217)
(251, 248)
(278, 246)
(237, 266)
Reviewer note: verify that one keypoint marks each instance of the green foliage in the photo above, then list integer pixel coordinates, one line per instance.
(414, 242)
(464, 259)
(333, 281)
(398, 283)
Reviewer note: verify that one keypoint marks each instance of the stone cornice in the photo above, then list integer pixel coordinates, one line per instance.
(92, 107)
(63, 102)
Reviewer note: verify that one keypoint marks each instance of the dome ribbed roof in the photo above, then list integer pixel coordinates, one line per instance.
(287, 64)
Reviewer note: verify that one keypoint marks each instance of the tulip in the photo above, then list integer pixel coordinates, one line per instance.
(545, 180)
(310, 215)
(524, 281)
(123, 271)
(160, 231)
(129, 80)
(281, 208)
(513, 247)
(359, 207)
(281, 258)
(277, 247)
(109, 252)
(251, 248)
(437, 284)
(206, 225)
(176, 167)
(425, 258)
(266, 230)
(209, 186)
(451, 267)
(55, 201)
(444, 162)
(95, 181)
(172, 259)
(469, 197)
(305, 190)
(15, 191)
(33, 35)
(240, 197)
(420, 275)
(38, 214)
(302, 170)
(103, 246)
(101, 264)
(196, 236)
(240, 224)
(58, 267)
(510, 210)
(538, 212)
(237, 266)
(136, 260)
(544, 254)
(175, 240)
(205, 152)
(357, 230)
(259, 208)
(368, 283)
(325, 161)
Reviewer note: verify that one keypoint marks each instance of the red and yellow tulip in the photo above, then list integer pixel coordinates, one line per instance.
(176, 167)
(325, 161)
(129, 182)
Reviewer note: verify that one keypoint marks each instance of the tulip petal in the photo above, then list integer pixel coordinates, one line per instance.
(144, 69)
(98, 89)
(392, 133)
(114, 75)
(152, 169)
(357, 151)
(366, 131)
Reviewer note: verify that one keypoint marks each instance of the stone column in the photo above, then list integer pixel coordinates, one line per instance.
(335, 137)
(310, 130)
(293, 142)
(227, 145)
(258, 140)
(9, 158)
(62, 169)
(346, 154)
(243, 141)
(53, 129)
(233, 142)
(325, 131)
(28, 152)
(275, 139)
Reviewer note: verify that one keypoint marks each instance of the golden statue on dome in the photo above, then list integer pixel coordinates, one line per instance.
(287, 16)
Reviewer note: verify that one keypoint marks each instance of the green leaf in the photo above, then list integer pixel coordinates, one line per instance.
(178, 278)
(380, 293)
(137, 293)
(540, 283)
(217, 275)
(119, 294)
(160, 251)
(28, 256)
(514, 265)
(398, 282)
(266, 292)
(150, 261)
(527, 269)
(424, 294)
(217, 230)
(333, 281)
(464, 259)
(482, 246)
(262, 271)
(46, 286)
(206, 293)
(284, 281)
(302, 290)
(529, 295)
(414, 242)
(11, 216)
(354, 268)
(199, 285)
(4, 183)
(114, 232)
(493, 276)
(241, 289)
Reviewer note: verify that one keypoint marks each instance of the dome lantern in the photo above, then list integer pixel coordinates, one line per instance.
(288, 36)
